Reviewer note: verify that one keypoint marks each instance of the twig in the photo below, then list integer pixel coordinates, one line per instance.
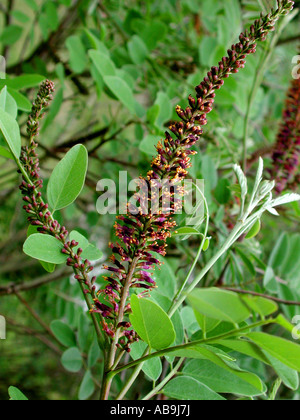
(278, 279)
(36, 334)
(265, 151)
(35, 315)
(159, 387)
(274, 299)
(114, 22)
(290, 39)
(13, 288)
(81, 140)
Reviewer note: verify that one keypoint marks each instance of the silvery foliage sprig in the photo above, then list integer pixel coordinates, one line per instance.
(261, 198)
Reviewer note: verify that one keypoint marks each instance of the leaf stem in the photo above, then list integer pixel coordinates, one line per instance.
(192, 344)
(159, 387)
(110, 359)
(200, 248)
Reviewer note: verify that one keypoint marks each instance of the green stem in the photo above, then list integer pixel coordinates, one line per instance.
(95, 319)
(181, 347)
(180, 298)
(110, 360)
(205, 270)
(159, 387)
(96, 323)
(200, 248)
(239, 229)
(130, 381)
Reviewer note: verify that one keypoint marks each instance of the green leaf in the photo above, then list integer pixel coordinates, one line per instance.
(206, 324)
(33, 5)
(52, 15)
(285, 351)
(90, 252)
(6, 153)
(65, 2)
(206, 244)
(94, 354)
(152, 114)
(11, 34)
(178, 326)
(187, 388)
(20, 16)
(245, 347)
(288, 376)
(290, 267)
(16, 395)
(148, 144)
(8, 104)
(153, 367)
(78, 58)
(254, 231)
(123, 92)
(83, 332)
(246, 261)
(11, 133)
(137, 50)
(54, 109)
(67, 179)
(260, 305)
(103, 63)
(95, 43)
(219, 304)
(209, 172)
(151, 323)
(220, 380)
(60, 71)
(72, 360)
(25, 81)
(285, 199)
(44, 26)
(226, 97)
(63, 333)
(242, 180)
(161, 273)
(23, 103)
(207, 49)
(165, 109)
(184, 231)
(154, 33)
(280, 251)
(45, 248)
(274, 389)
(50, 268)
(87, 387)
(222, 192)
(281, 320)
(217, 357)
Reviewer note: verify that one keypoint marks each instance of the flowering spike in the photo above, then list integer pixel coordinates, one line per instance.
(286, 151)
(145, 232)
